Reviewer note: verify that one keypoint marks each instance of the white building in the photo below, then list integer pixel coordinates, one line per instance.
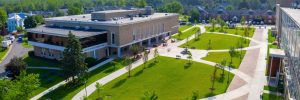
(16, 20)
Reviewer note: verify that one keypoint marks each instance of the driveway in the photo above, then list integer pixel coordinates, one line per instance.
(17, 50)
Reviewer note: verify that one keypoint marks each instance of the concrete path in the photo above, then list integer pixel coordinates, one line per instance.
(64, 82)
(253, 67)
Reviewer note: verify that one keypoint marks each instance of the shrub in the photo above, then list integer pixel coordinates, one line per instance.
(90, 61)
(31, 54)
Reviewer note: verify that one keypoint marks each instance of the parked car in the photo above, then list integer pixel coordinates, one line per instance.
(6, 43)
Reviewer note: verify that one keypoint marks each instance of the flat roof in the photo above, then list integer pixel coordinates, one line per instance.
(113, 11)
(293, 13)
(63, 32)
(121, 21)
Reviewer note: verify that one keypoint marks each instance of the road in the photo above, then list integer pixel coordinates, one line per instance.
(17, 50)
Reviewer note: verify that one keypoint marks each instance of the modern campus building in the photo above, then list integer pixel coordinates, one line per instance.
(103, 33)
(288, 30)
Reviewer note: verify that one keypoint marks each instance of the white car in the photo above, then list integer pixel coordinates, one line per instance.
(6, 43)
(12, 38)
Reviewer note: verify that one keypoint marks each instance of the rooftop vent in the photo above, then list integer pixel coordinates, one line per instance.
(83, 16)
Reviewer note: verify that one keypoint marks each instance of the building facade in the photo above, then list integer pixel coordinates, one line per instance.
(16, 20)
(103, 33)
(288, 28)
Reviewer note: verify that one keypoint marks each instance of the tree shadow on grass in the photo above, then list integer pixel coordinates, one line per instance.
(209, 94)
(187, 65)
(109, 70)
(221, 79)
(119, 83)
(138, 73)
(152, 64)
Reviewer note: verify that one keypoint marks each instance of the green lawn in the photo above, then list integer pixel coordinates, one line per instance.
(270, 88)
(25, 43)
(271, 97)
(184, 17)
(170, 81)
(184, 27)
(217, 57)
(218, 41)
(66, 93)
(38, 62)
(186, 34)
(238, 31)
(3, 53)
(47, 78)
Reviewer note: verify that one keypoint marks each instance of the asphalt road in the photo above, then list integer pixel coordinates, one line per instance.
(17, 50)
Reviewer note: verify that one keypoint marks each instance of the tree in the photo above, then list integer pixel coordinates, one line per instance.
(243, 21)
(222, 65)
(30, 22)
(174, 7)
(128, 62)
(141, 3)
(194, 13)
(197, 34)
(3, 18)
(150, 95)
(179, 34)
(195, 95)
(209, 45)
(213, 24)
(28, 83)
(99, 88)
(20, 29)
(145, 58)
(222, 24)
(16, 66)
(190, 57)
(73, 60)
(20, 88)
(156, 54)
(39, 19)
(213, 78)
(134, 49)
(232, 52)
(72, 10)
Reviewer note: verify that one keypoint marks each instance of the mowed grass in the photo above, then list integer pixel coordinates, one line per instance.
(218, 42)
(184, 27)
(3, 53)
(169, 79)
(271, 97)
(47, 78)
(66, 92)
(218, 57)
(186, 34)
(237, 31)
(39, 62)
(25, 43)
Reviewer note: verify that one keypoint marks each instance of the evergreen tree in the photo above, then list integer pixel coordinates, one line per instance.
(30, 22)
(73, 60)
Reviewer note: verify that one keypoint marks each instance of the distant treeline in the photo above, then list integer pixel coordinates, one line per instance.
(54, 5)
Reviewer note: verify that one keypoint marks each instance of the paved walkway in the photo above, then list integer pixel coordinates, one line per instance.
(253, 67)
